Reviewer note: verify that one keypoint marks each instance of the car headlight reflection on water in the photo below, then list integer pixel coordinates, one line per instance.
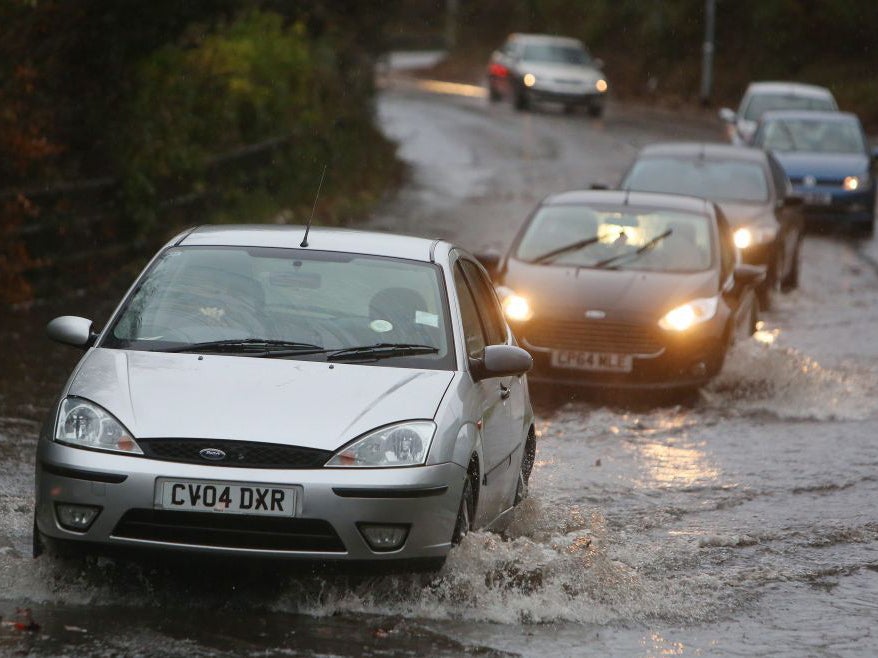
(690, 314)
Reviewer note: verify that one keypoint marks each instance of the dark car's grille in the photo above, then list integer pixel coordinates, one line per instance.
(593, 336)
(229, 531)
(243, 454)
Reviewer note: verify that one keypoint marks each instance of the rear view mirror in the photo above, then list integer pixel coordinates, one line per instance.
(747, 275)
(728, 115)
(71, 330)
(599, 186)
(501, 361)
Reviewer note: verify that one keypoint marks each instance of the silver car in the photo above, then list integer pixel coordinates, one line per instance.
(536, 67)
(761, 97)
(357, 398)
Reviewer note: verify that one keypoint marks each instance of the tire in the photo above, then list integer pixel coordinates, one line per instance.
(791, 280)
(521, 101)
(467, 509)
(865, 231)
(527, 465)
(763, 295)
(595, 111)
(494, 96)
(38, 544)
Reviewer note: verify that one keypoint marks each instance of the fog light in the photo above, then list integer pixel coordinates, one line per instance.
(384, 537)
(76, 517)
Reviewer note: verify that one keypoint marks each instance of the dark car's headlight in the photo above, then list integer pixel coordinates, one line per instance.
(748, 236)
(403, 444)
(854, 183)
(688, 315)
(84, 424)
(515, 307)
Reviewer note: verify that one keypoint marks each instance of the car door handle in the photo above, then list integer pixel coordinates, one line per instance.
(505, 392)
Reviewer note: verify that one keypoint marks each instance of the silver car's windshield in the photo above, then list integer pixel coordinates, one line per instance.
(761, 103)
(554, 54)
(631, 239)
(814, 136)
(262, 299)
(717, 180)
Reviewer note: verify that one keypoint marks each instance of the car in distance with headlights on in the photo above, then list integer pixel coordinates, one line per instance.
(761, 97)
(751, 188)
(829, 162)
(357, 398)
(536, 67)
(626, 290)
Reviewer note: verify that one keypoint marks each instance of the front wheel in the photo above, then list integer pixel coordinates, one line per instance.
(527, 465)
(522, 102)
(467, 509)
(791, 280)
(595, 111)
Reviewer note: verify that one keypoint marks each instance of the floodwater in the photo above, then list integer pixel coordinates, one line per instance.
(742, 523)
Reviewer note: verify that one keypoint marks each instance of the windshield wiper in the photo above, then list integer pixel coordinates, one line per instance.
(633, 254)
(579, 244)
(262, 346)
(380, 351)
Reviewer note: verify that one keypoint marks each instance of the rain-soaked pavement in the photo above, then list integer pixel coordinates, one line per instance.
(742, 523)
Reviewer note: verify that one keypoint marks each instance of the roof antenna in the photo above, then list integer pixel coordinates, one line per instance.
(313, 208)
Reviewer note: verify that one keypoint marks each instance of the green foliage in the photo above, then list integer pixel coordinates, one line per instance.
(253, 79)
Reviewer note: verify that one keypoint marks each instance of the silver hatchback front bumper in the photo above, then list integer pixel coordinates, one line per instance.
(332, 504)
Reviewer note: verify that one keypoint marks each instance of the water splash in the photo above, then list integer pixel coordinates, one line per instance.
(759, 376)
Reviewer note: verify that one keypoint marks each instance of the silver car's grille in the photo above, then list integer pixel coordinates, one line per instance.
(241, 454)
(229, 531)
(593, 336)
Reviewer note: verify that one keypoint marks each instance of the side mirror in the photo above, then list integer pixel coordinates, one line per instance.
(749, 275)
(71, 330)
(728, 115)
(490, 260)
(501, 361)
(875, 153)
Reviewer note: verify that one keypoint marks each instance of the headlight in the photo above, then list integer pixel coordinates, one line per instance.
(851, 183)
(86, 425)
(515, 307)
(601, 85)
(404, 444)
(747, 236)
(529, 80)
(690, 314)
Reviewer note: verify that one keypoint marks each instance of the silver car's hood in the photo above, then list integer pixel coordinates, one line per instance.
(304, 403)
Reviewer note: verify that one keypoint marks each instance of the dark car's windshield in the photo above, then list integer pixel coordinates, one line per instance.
(585, 236)
(555, 54)
(761, 103)
(270, 298)
(717, 180)
(811, 135)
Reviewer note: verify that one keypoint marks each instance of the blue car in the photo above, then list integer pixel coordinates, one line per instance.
(829, 163)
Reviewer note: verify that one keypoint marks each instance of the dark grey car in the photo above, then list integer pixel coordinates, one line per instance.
(751, 188)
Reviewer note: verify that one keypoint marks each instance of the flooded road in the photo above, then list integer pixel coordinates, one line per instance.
(742, 523)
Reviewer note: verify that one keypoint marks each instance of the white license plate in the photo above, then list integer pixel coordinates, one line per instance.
(594, 361)
(816, 199)
(226, 497)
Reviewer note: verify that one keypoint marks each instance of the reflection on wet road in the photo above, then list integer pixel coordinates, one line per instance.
(738, 523)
